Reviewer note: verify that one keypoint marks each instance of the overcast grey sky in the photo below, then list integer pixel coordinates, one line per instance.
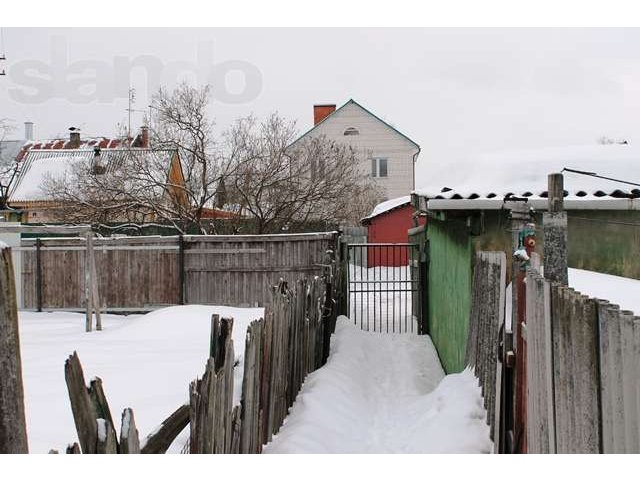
(455, 92)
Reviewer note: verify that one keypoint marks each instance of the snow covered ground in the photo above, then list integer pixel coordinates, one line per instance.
(618, 290)
(384, 393)
(145, 361)
(384, 304)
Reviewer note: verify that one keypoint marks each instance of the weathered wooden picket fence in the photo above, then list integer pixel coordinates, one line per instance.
(96, 428)
(280, 350)
(142, 273)
(13, 430)
(486, 318)
(583, 372)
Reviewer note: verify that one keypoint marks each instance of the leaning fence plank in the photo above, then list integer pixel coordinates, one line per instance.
(100, 404)
(166, 433)
(73, 449)
(13, 430)
(129, 438)
(84, 413)
(106, 437)
(628, 383)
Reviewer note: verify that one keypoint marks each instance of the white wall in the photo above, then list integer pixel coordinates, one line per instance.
(375, 140)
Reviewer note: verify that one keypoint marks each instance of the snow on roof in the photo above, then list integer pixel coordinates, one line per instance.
(524, 173)
(387, 206)
(40, 165)
(33, 174)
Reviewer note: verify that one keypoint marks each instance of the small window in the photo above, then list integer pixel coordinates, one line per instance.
(379, 167)
(352, 131)
(382, 167)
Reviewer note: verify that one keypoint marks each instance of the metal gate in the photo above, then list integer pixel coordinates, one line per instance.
(384, 287)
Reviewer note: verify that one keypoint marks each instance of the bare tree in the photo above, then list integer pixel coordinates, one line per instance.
(127, 187)
(145, 187)
(257, 171)
(276, 182)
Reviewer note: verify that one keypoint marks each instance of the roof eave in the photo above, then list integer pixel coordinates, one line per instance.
(536, 203)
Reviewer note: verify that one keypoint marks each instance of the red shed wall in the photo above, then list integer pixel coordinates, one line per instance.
(390, 227)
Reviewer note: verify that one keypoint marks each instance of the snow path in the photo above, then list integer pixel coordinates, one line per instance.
(384, 393)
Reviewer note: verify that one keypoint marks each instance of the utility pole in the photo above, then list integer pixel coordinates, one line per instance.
(554, 222)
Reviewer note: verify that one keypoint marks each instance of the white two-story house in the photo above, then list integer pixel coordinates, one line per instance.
(385, 154)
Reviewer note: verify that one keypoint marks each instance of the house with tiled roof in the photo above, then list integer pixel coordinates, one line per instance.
(385, 154)
(41, 162)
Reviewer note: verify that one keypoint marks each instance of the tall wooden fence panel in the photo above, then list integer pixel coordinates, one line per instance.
(583, 372)
(280, 351)
(240, 270)
(147, 272)
(619, 378)
(487, 315)
(540, 398)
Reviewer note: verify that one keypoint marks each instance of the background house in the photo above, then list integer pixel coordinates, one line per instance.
(468, 214)
(389, 222)
(385, 154)
(29, 196)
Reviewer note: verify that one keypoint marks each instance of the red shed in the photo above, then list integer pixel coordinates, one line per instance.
(389, 222)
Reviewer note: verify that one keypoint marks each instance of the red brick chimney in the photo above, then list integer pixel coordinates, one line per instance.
(320, 112)
(144, 136)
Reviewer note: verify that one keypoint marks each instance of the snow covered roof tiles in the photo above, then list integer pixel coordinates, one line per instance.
(486, 180)
(38, 165)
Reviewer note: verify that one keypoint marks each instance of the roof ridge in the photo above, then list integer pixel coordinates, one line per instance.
(352, 101)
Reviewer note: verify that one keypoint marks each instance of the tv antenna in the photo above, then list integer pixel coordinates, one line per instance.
(130, 110)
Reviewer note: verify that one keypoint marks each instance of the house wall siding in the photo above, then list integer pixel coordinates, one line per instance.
(449, 291)
(375, 140)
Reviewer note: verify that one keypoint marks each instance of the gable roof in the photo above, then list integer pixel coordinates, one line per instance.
(483, 182)
(38, 165)
(353, 102)
(386, 207)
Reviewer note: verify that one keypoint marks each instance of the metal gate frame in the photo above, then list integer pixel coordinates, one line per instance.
(393, 288)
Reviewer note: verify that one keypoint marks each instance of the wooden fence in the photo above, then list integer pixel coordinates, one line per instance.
(280, 350)
(486, 318)
(583, 372)
(147, 272)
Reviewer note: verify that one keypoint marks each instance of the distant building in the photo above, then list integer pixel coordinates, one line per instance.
(28, 197)
(384, 153)
(390, 222)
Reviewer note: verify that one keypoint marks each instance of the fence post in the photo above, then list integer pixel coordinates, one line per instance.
(39, 273)
(554, 222)
(88, 286)
(13, 428)
(181, 272)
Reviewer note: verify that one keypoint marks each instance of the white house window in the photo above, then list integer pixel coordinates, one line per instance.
(352, 131)
(379, 167)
